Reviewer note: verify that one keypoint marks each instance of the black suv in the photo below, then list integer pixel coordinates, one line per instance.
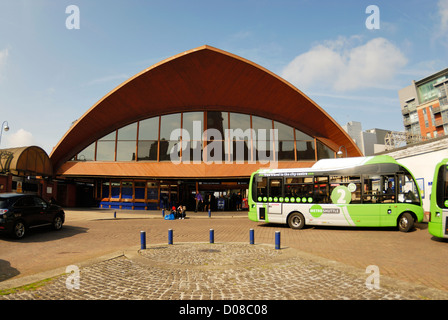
(19, 212)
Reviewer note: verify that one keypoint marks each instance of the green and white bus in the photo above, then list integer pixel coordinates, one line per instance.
(363, 192)
(438, 219)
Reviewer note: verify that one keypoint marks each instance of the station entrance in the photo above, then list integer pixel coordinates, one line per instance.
(196, 195)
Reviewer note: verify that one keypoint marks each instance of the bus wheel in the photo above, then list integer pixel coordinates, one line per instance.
(405, 222)
(296, 220)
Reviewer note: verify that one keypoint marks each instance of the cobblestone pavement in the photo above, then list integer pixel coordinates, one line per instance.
(221, 271)
(314, 263)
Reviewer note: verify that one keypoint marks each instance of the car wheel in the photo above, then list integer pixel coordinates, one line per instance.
(405, 222)
(296, 220)
(57, 222)
(19, 230)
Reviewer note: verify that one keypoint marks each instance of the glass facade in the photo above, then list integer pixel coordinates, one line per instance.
(210, 136)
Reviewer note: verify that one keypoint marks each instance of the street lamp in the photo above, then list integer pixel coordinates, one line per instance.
(340, 154)
(4, 127)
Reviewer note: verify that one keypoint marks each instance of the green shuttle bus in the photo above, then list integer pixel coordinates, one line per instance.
(438, 219)
(363, 192)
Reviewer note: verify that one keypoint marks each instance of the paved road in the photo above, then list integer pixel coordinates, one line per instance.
(314, 263)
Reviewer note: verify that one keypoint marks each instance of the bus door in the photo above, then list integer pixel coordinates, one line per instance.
(262, 197)
(438, 223)
(388, 198)
(275, 196)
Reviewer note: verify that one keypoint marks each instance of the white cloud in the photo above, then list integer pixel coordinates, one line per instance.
(342, 66)
(20, 138)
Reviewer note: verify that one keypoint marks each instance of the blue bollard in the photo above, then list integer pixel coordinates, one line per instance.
(115, 214)
(170, 236)
(142, 240)
(277, 240)
(163, 212)
(209, 213)
(212, 236)
(252, 236)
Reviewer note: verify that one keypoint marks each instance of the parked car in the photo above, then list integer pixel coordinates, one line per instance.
(20, 212)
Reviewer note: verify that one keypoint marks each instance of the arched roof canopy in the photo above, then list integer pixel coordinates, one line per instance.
(204, 78)
(25, 161)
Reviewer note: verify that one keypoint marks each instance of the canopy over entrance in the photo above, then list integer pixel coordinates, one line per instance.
(25, 161)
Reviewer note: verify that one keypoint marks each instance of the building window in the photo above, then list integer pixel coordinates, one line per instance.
(305, 147)
(88, 154)
(168, 149)
(240, 136)
(285, 142)
(323, 152)
(106, 147)
(229, 137)
(148, 139)
(127, 143)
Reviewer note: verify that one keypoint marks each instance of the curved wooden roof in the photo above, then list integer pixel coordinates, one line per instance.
(26, 161)
(204, 78)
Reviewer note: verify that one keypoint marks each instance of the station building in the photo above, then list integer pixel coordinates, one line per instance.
(199, 122)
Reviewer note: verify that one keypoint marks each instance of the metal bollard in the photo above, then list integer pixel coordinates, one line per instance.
(209, 213)
(251, 236)
(163, 212)
(142, 240)
(115, 214)
(277, 240)
(170, 236)
(212, 236)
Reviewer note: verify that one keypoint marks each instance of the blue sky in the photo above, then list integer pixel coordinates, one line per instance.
(51, 75)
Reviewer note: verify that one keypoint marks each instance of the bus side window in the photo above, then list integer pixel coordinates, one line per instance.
(371, 186)
(321, 194)
(389, 189)
(275, 188)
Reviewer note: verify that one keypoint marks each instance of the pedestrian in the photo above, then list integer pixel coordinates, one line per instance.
(199, 200)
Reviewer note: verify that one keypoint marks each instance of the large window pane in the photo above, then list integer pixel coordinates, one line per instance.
(219, 121)
(126, 150)
(126, 144)
(323, 152)
(147, 150)
(286, 150)
(106, 147)
(284, 132)
(261, 123)
(305, 150)
(166, 148)
(214, 151)
(193, 118)
(168, 124)
(128, 133)
(239, 121)
(192, 151)
(302, 136)
(105, 151)
(88, 154)
(149, 129)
